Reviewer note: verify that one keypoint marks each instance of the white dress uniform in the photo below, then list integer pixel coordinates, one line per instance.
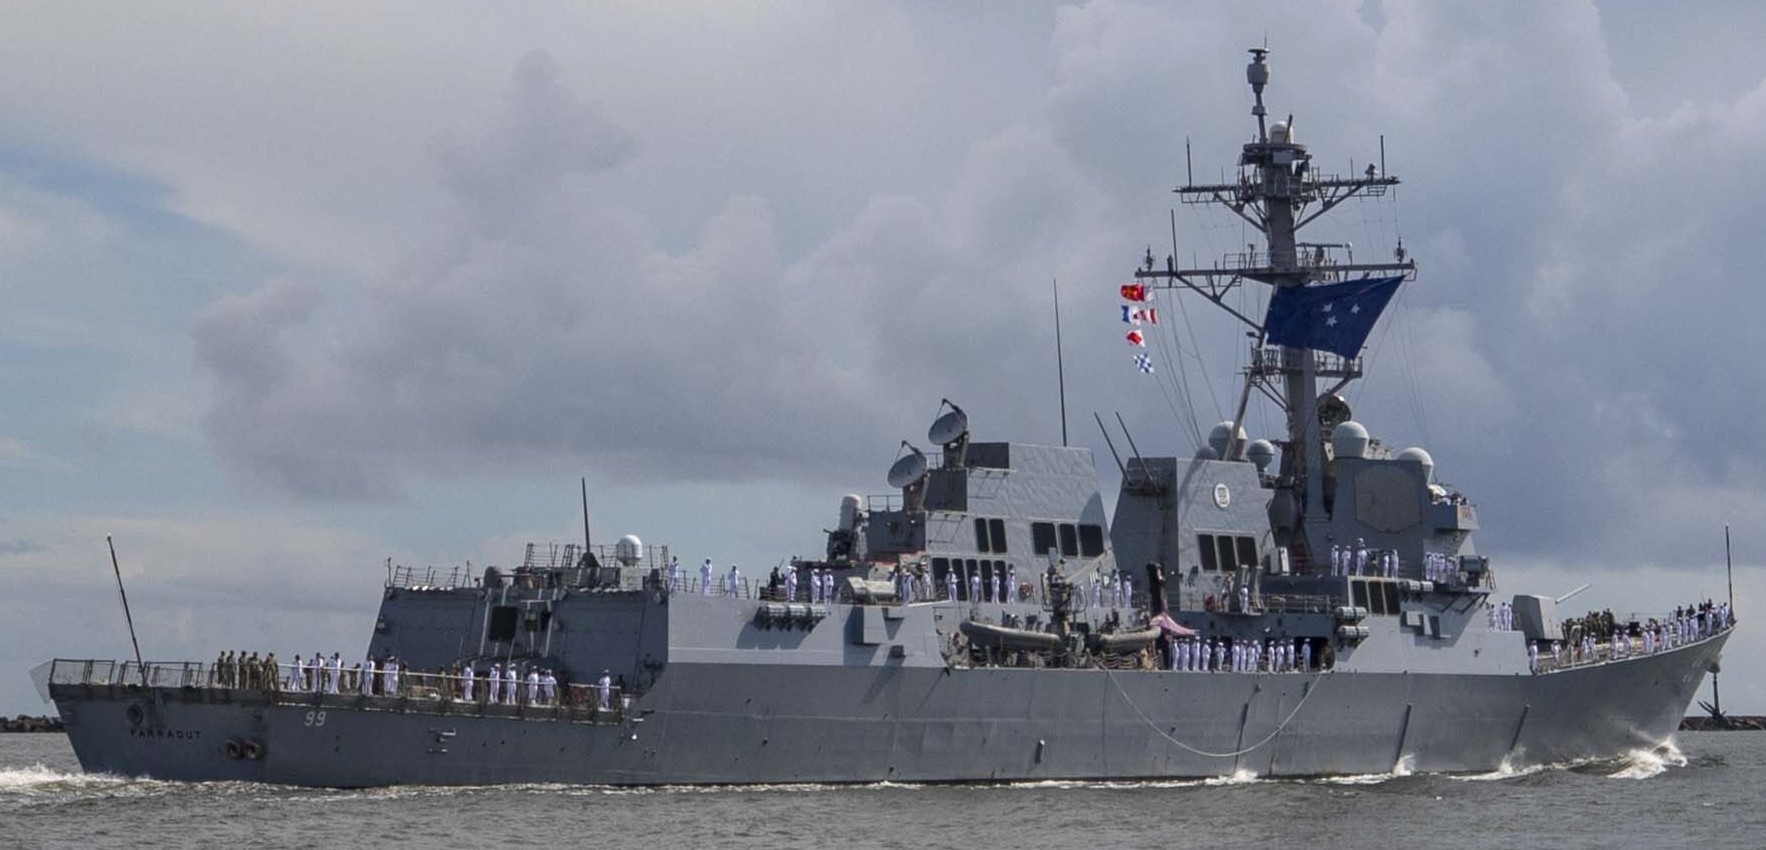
(791, 585)
(495, 681)
(467, 680)
(705, 578)
(367, 683)
(604, 690)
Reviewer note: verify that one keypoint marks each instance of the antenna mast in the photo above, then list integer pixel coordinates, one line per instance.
(1277, 193)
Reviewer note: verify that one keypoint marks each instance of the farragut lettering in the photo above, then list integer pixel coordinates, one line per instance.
(167, 734)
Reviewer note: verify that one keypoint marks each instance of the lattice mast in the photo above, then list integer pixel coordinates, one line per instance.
(1278, 192)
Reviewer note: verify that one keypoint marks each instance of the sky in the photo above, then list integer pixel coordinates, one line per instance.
(291, 293)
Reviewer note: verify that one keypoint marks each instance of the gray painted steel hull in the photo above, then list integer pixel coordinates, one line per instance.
(747, 723)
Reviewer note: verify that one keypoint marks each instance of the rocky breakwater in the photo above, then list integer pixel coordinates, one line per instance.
(24, 723)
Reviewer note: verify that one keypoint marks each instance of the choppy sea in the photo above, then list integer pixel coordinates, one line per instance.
(1706, 791)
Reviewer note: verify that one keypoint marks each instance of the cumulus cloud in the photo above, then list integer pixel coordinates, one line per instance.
(548, 318)
(543, 323)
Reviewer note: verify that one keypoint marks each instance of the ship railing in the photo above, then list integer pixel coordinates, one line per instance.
(428, 578)
(439, 693)
(541, 567)
(305, 684)
(1267, 359)
(160, 674)
(1570, 654)
(1293, 603)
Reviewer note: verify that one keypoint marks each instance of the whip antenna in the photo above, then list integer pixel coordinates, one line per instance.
(126, 616)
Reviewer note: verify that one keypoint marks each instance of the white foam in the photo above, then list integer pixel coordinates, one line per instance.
(37, 778)
(1239, 777)
(1506, 770)
(1643, 764)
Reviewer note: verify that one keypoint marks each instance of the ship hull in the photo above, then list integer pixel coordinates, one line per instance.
(749, 723)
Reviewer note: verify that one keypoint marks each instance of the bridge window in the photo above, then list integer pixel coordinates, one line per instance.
(997, 528)
(982, 544)
(1091, 540)
(502, 623)
(1247, 551)
(1042, 537)
(1069, 541)
(1205, 549)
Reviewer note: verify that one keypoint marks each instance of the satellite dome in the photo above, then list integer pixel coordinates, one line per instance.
(1349, 440)
(1206, 453)
(1281, 133)
(1220, 435)
(1261, 453)
(1422, 457)
(627, 549)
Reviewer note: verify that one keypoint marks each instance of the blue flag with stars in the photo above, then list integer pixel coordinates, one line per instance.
(1335, 317)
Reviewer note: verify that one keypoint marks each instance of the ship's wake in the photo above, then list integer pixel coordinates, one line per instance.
(38, 780)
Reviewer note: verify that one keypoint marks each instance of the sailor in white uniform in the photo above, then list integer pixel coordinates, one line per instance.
(1306, 656)
(732, 581)
(467, 679)
(495, 682)
(367, 683)
(1011, 583)
(791, 585)
(604, 690)
(1360, 557)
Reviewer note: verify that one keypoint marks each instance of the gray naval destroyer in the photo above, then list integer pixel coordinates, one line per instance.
(1327, 614)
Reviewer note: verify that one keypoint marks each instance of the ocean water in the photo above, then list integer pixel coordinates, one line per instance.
(1707, 791)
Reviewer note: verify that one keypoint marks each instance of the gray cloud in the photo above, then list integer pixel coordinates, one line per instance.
(546, 323)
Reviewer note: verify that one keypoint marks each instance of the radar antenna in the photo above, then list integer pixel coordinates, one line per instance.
(951, 432)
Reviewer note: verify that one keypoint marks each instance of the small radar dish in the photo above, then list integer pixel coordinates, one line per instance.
(949, 428)
(909, 469)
